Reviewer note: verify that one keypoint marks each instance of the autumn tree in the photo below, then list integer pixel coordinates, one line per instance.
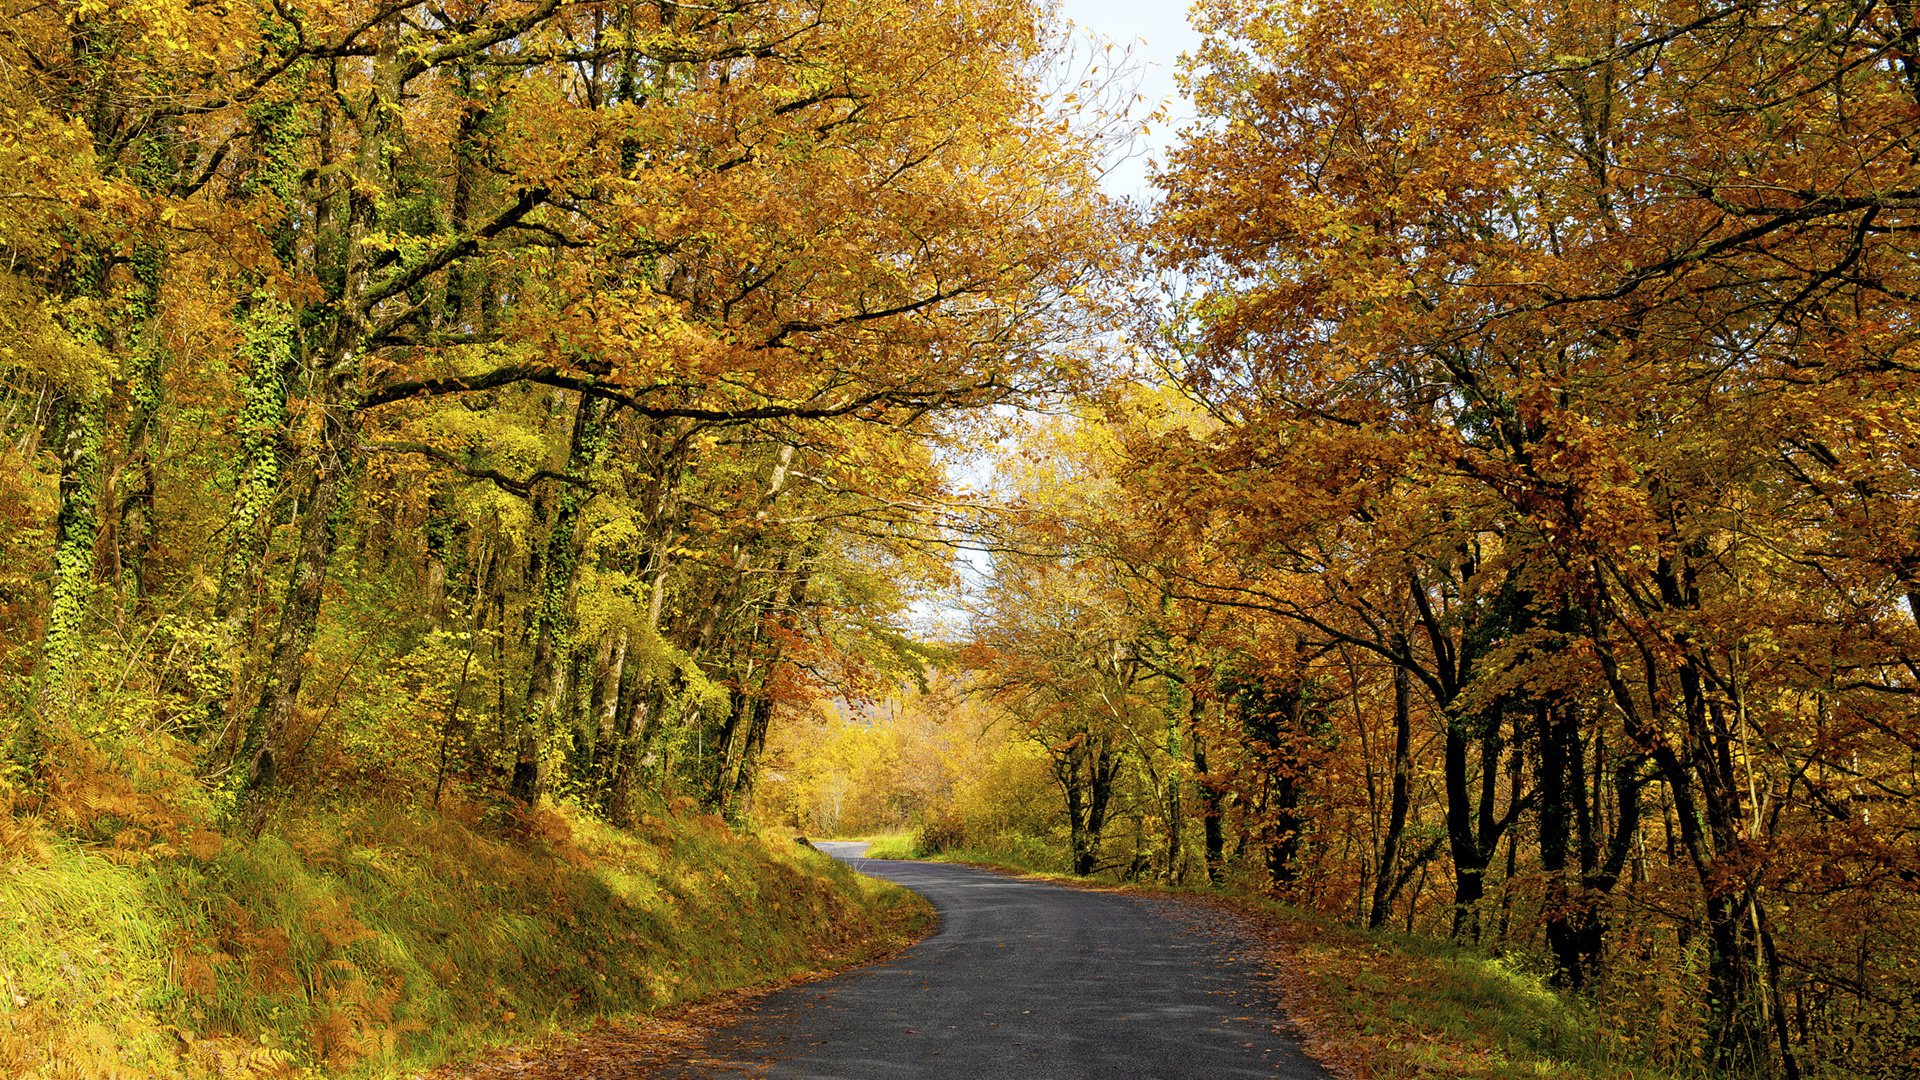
(1618, 281)
(571, 373)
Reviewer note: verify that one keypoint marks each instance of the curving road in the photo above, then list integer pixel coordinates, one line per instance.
(1024, 980)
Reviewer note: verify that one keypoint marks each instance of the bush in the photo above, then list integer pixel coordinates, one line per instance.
(939, 834)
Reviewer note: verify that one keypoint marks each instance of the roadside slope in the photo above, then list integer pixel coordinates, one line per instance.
(350, 939)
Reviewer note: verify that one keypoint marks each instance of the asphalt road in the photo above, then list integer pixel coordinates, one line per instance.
(1025, 980)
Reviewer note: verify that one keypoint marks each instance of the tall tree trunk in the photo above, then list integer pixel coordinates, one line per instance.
(345, 266)
(635, 721)
(80, 420)
(327, 500)
(145, 357)
(268, 359)
(1707, 829)
(458, 306)
(730, 744)
(1388, 880)
(1565, 924)
(1086, 773)
(1273, 715)
(1104, 765)
(608, 687)
(759, 715)
(1283, 844)
(740, 795)
(1212, 799)
(1080, 851)
(552, 616)
(1463, 843)
(1173, 792)
(638, 705)
(1734, 984)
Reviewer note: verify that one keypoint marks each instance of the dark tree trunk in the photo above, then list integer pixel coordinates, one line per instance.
(1213, 839)
(1212, 834)
(267, 734)
(145, 356)
(1573, 926)
(1274, 717)
(1388, 880)
(1086, 774)
(1283, 846)
(1463, 840)
(1706, 816)
(740, 793)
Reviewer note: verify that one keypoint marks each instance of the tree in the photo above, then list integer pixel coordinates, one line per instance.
(593, 339)
(1600, 273)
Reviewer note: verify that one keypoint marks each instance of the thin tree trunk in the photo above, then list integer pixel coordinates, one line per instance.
(326, 503)
(1213, 840)
(1174, 797)
(145, 357)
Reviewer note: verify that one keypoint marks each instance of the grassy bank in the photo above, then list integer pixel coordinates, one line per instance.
(353, 937)
(1381, 1006)
(1384, 1005)
(1028, 855)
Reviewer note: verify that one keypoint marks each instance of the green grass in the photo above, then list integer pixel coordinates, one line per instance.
(1013, 851)
(366, 940)
(902, 845)
(1421, 1007)
(83, 947)
(1407, 1006)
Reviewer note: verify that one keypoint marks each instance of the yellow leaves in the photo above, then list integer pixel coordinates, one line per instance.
(41, 338)
(169, 34)
(609, 601)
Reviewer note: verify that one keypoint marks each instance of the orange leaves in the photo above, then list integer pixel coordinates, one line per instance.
(1562, 315)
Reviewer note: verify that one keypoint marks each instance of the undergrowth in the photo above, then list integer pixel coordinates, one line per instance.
(1389, 1005)
(357, 937)
(1012, 850)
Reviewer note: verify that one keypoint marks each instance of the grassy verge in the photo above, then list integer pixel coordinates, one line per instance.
(667, 1039)
(360, 938)
(1383, 1006)
(889, 845)
(1024, 854)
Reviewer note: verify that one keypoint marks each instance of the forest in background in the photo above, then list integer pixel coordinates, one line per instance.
(1477, 499)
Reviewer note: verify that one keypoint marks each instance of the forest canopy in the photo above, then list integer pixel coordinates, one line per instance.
(1507, 533)
(1476, 494)
(583, 364)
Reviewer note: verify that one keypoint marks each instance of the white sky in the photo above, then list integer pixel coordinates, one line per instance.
(1157, 33)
